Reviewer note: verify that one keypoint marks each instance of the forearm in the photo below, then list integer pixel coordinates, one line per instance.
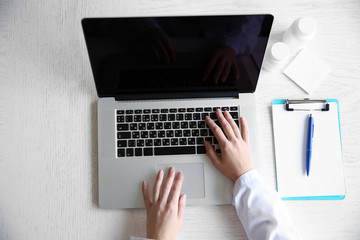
(260, 209)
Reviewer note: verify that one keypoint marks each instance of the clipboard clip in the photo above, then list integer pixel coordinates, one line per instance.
(324, 103)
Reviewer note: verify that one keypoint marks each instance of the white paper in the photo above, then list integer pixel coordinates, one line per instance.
(326, 176)
(307, 70)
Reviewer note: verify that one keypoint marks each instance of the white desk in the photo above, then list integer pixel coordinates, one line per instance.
(48, 163)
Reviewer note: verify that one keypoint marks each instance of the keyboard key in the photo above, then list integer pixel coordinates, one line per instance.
(208, 109)
(129, 152)
(123, 135)
(122, 143)
(138, 152)
(174, 150)
(200, 150)
(161, 134)
(190, 110)
(201, 124)
(137, 118)
(174, 141)
(148, 151)
(155, 111)
(199, 109)
(129, 111)
(203, 115)
(164, 110)
(170, 133)
(186, 133)
(138, 111)
(233, 108)
(199, 140)
(135, 134)
(144, 134)
(209, 139)
(129, 118)
(146, 118)
(176, 125)
(184, 124)
(146, 111)
(150, 126)
(204, 132)
(152, 134)
(178, 133)
(183, 141)
(142, 126)
(214, 108)
(166, 142)
(171, 117)
(149, 142)
(181, 110)
(131, 143)
(120, 119)
(133, 126)
(163, 117)
(154, 118)
(195, 132)
(157, 142)
(191, 141)
(159, 125)
(120, 112)
(173, 110)
(196, 116)
(140, 143)
(123, 127)
(121, 152)
(167, 125)
(179, 117)
(188, 116)
(234, 115)
(193, 124)
(225, 109)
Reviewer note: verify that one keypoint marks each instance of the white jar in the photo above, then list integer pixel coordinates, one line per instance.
(275, 56)
(301, 31)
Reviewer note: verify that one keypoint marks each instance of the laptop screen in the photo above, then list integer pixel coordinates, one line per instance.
(176, 54)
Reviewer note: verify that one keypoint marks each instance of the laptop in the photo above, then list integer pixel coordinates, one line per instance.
(157, 78)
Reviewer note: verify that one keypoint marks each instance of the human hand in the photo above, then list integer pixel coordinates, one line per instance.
(161, 46)
(222, 62)
(235, 158)
(165, 211)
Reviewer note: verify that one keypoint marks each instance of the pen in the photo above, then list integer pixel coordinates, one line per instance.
(309, 143)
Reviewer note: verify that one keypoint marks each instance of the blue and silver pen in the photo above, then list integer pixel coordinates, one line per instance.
(309, 143)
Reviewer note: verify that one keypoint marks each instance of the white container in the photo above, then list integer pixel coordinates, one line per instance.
(300, 33)
(276, 56)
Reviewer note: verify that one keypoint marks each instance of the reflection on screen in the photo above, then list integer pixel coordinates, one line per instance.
(176, 54)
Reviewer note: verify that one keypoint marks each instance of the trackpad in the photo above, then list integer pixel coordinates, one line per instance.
(193, 184)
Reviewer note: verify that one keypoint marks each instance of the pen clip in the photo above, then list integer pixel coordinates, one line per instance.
(325, 105)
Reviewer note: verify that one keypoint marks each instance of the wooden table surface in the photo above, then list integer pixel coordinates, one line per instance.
(48, 155)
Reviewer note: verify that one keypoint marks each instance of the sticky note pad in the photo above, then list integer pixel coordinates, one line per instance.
(307, 70)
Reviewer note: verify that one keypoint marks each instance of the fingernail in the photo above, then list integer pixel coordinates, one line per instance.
(172, 169)
(161, 172)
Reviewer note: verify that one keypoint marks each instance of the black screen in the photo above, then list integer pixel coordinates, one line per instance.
(173, 55)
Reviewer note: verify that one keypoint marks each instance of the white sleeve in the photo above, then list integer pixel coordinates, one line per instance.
(260, 209)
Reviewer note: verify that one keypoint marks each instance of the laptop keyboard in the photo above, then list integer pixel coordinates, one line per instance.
(167, 131)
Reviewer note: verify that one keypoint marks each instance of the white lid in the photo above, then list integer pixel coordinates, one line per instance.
(279, 51)
(306, 26)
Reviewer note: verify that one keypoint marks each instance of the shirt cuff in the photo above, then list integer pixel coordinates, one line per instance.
(244, 180)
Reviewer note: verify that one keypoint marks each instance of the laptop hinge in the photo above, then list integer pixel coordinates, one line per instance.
(177, 95)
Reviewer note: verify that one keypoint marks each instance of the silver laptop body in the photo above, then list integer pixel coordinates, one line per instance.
(145, 128)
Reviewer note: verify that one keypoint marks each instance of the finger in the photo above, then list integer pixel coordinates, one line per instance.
(181, 206)
(147, 200)
(219, 69)
(244, 130)
(210, 151)
(235, 69)
(209, 67)
(218, 133)
(157, 186)
(225, 125)
(233, 124)
(225, 73)
(176, 188)
(167, 185)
